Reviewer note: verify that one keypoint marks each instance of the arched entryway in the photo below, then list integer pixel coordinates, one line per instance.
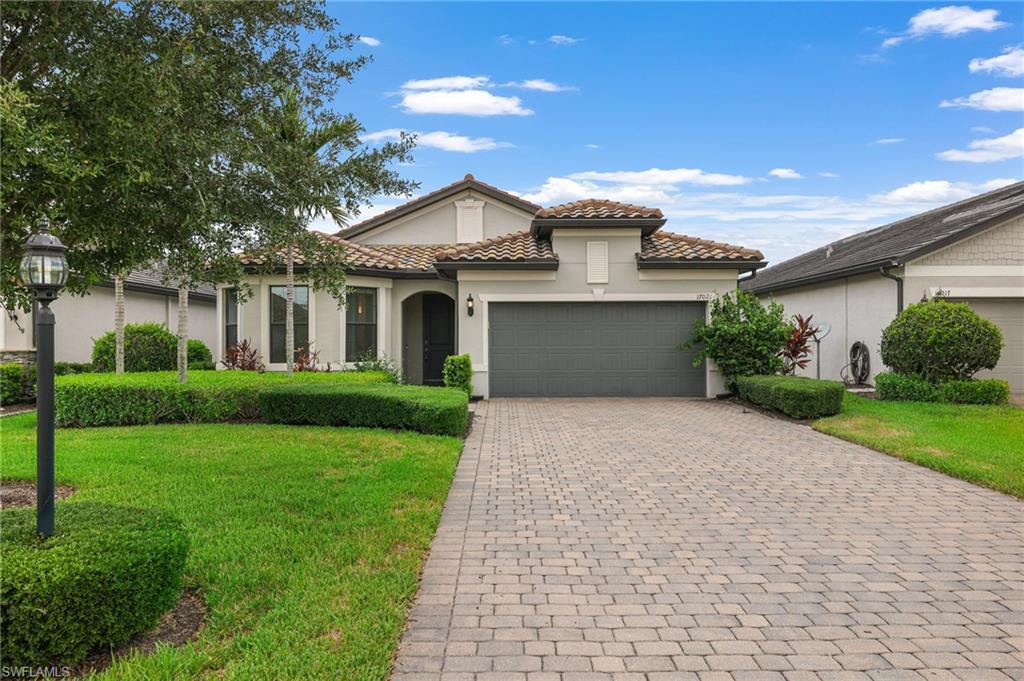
(428, 336)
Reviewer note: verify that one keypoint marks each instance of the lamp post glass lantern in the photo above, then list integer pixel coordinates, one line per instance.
(44, 270)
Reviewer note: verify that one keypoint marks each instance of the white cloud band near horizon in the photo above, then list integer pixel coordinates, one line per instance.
(439, 139)
(989, 150)
(993, 99)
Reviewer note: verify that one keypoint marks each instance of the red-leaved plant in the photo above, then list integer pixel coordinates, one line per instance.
(242, 356)
(795, 354)
(308, 359)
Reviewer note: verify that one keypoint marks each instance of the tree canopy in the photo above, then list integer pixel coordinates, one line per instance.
(135, 127)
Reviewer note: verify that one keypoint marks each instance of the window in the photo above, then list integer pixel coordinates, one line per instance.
(278, 301)
(230, 318)
(360, 324)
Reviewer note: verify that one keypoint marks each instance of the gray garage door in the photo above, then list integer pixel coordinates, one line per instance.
(1008, 313)
(577, 349)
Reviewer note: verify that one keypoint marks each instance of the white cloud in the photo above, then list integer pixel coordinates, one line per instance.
(540, 85)
(949, 22)
(506, 39)
(658, 176)
(368, 40)
(448, 83)
(937, 192)
(981, 128)
(564, 40)
(889, 140)
(463, 102)
(1009, 63)
(988, 150)
(439, 139)
(592, 146)
(828, 175)
(785, 174)
(993, 99)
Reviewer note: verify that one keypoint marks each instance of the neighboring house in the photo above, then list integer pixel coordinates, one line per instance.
(81, 319)
(971, 251)
(587, 298)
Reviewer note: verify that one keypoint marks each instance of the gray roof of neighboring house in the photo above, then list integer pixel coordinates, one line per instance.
(151, 280)
(895, 243)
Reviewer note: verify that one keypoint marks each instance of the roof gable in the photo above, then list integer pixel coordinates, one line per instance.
(467, 183)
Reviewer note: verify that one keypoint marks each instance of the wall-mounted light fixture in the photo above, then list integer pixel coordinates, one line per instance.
(469, 305)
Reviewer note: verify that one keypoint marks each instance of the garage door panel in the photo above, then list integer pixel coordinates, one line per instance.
(1008, 314)
(552, 349)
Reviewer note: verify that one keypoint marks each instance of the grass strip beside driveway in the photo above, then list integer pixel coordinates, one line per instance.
(306, 542)
(980, 444)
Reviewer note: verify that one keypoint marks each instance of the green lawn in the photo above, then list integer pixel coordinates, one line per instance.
(306, 542)
(981, 444)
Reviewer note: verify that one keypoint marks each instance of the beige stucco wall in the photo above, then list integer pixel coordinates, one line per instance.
(569, 282)
(82, 319)
(436, 224)
(858, 308)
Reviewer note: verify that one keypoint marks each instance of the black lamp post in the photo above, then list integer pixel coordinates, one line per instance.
(44, 269)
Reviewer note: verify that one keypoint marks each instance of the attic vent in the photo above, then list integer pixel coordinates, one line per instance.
(828, 252)
(597, 262)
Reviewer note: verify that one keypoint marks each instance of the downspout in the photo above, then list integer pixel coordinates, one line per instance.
(884, 271)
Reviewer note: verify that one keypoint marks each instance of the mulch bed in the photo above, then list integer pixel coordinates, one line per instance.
(176, 628)
(15, 493)
(12, 409)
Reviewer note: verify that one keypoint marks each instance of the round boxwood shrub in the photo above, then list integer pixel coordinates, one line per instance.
(940, 341)
(106, 574)
(147, 347)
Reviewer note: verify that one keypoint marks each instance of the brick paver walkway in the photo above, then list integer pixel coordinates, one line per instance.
(656, 539)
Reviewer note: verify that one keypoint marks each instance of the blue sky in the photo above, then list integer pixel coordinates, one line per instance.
(775, 126)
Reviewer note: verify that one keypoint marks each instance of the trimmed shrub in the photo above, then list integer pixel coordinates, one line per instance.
(987, 391)
(198, 353)
(70, 368)
(437, 411)
(893, 386)
(744, 337)
(369, 361)
(16, 385)
(147, 347)
(458, 372)
(796, 396)
(940, 341)
(91, 400)
(107, 574)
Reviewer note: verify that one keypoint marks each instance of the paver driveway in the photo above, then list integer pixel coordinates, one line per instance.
(673, 539)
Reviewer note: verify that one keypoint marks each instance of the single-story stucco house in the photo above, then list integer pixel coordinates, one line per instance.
(82, 319)
(585, 298)
(971, 251)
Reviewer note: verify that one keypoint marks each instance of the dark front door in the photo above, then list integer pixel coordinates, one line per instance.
(438, 335)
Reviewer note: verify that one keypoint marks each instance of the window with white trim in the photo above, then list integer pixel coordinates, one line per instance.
(360, 324)
(300, 312)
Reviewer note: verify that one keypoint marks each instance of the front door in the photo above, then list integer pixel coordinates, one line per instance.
(438, 335)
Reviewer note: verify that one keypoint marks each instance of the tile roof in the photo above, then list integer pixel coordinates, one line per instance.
(590, 209)
(411, 256)
(668, 246)
(155, 277)
(896, 242)
(516, 246)
(467, 182)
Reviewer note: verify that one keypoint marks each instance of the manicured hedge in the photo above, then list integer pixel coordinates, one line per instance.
(796, 396)
(157, 397)
(106, 574)
(977, 391)
(14, 385)
(903, 388)
(893, 386)
(441, 411)
(458, 373)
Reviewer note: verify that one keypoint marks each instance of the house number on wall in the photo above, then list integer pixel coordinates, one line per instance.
(941, 293)
(704, 296)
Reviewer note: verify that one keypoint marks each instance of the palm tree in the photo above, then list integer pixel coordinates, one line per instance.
(305, 190)
(119, 324)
